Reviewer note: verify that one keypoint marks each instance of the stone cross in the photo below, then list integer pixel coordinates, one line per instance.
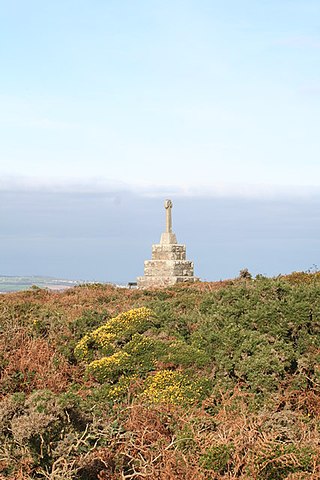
(168, 207)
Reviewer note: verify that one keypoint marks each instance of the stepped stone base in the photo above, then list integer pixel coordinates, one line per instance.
(161, 281)
(174, 268)
(168, 265)
(168, 252)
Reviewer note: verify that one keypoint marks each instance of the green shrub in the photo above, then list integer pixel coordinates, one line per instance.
(217, 458)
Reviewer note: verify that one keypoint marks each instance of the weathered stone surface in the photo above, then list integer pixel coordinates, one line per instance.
(168, 264)
(150, 282)
(168, 252)
(168, 238)
(168, 268)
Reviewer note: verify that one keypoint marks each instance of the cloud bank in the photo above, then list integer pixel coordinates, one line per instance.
(98, 230)
(111, 187)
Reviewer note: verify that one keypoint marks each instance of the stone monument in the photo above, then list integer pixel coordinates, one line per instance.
(168, 264)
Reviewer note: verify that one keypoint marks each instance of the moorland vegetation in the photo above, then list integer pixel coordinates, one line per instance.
(196, 382)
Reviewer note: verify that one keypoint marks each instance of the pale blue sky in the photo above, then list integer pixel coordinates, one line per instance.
(206, 99)
(205, 91)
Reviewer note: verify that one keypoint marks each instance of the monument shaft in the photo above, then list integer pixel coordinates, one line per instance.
(168, 207)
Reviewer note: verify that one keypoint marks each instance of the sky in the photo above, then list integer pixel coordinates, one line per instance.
(107, 108)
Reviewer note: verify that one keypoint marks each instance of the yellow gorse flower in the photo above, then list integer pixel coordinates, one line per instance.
(107, 366)
(168, 386)
(105, 341)
(117, 328)
(81, 349)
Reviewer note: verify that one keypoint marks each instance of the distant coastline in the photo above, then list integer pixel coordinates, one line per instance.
(16, 283)
(21, 283)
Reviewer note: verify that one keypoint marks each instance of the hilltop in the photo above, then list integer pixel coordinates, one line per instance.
(204, 381)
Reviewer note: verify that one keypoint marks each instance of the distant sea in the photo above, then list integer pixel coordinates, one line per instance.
(15, 284)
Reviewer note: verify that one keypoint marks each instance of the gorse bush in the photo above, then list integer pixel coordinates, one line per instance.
(117, 346)
(117, 330)
(256, 333)
(121, 350)
(205, 381)
(167, 386)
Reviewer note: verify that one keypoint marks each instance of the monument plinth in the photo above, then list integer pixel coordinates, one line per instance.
(168, 264)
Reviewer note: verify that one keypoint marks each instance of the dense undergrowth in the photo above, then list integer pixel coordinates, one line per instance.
(205, 381)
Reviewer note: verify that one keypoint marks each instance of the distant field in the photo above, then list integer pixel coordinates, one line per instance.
(15, 284)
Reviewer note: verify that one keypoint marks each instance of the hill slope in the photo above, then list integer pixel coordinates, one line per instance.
(204, 381)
